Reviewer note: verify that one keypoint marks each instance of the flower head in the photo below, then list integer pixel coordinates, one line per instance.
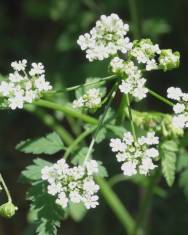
(180, 118)
(91, 99)
(22, 88)
(136, 157)
(72, 184)
(106, 38)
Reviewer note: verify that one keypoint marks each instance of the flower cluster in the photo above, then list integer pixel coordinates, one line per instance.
(180, 119)
(72, 184)
(134, 83)
(136, 156)
(91, 99)
(144, 51)
(169, 60)
(106, 38)
(22, 87)
(159, 122)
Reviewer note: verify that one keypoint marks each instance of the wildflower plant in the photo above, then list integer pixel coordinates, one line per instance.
(145, 143)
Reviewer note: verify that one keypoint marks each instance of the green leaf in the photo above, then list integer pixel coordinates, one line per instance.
(168, 150)
(102, 170)
(117, 130)
(170, 145)
(80, 156)
(48, 214)
(77, 211)
(48, 227)
(50, 144)
(101, 135)
(33, 172)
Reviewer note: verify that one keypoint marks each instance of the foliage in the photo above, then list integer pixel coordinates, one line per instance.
(51, 38)
(50, 144)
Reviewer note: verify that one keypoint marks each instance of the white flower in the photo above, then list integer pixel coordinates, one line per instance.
(15, 77)
(180, 118)
(75, 197)
(72, 184)
(125, 87)
(144, 52)
(53, 189)
(78, 103)
(62, 200)
(117, 64)
(134, 84)
(5, 88)
(151, 139)
(128, 138)
(129, 168)
(152, 152)
(185, 97)
(135, 154)
(106, 38)
(174, 93)
(16, 102)
(92, 167)
(90, 187)
(180, 121)
(117, 145)
(151, 65)
(91, 99)
(37, 69)
(120, 157)
(42, 85)
(19, 65)
(21, 88)
(91, 201)
(146, 166)
(179, 108)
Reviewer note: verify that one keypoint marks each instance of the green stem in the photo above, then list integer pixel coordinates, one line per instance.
(74, 144)
(66, 110)
(133, 6)
(101, 81)
(120, 112)
(49, 121)
(5, 188)
(131, 118)
(145, 203)
(112, 95)
(116, 205)
(161, 98)
(121, 178)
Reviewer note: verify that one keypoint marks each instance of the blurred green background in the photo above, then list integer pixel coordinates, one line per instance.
(46, 31)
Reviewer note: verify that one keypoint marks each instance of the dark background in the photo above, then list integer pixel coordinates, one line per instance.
(46, 31)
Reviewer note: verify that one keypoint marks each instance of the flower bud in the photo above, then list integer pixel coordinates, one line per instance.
(169, 60)
(7, 210)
